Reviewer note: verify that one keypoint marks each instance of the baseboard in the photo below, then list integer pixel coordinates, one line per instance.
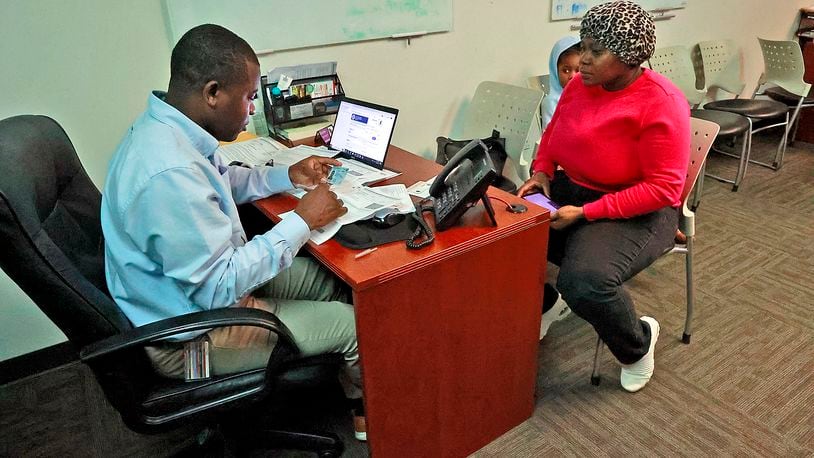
(37, 361)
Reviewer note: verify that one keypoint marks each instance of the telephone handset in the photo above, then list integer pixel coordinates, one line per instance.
(461, 183)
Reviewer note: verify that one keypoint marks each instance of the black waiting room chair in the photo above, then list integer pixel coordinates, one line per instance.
(54, 250)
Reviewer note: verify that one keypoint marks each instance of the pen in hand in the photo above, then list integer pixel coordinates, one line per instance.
(365, 253)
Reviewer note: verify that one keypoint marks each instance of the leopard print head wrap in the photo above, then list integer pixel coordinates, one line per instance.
(623, 27)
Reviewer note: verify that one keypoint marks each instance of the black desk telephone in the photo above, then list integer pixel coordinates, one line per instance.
(461, 183)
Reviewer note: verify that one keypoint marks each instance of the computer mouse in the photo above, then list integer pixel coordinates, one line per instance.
(388, 220)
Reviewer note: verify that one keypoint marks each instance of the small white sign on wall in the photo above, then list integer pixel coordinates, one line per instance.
(575, 9)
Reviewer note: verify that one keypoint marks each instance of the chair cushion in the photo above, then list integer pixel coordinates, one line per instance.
(790, 99)
(730, 123)
(756, 109)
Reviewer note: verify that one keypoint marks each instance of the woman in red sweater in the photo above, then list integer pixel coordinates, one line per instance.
(620, 134)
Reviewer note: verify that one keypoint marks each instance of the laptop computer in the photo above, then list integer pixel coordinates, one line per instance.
(362, 131)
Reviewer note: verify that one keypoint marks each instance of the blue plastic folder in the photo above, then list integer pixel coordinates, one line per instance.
(541, 200)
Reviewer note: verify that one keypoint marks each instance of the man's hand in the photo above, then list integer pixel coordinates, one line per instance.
(319, 206)
(566, 216)
(538, 182)
(311, 171)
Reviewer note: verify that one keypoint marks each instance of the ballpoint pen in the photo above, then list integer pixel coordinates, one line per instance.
(365, 253)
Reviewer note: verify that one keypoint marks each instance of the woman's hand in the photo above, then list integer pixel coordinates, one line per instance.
(566, 216)
(311, 171)
(538, 182)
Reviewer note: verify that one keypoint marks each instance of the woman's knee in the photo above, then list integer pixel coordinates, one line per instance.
(582, 287)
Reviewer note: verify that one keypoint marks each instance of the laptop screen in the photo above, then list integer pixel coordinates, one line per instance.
(362, 131)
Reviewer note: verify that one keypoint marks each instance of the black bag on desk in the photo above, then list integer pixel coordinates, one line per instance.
(497, 152)
(367, 233)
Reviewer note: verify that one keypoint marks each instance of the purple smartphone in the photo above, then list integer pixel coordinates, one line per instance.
(541, 200)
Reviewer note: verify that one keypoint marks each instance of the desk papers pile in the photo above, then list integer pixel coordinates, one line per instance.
(362, 202)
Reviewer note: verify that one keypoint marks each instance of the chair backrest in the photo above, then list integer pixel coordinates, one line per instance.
(539, 82)
(675, 63)
(511, 111)
(50, 222)
(722, 65)
(783, 66)
(702, 134)
(53, 248)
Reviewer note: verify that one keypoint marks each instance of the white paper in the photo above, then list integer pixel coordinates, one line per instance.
(421, 189)
(362, 202)
(400, 199)
(285, 82)
(321, 151)
(297, 72)
(257, 151)
(322, 234)
(291, 156)
(364, 173)
(302, 110)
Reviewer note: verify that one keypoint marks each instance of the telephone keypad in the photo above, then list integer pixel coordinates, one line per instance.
(448, 199)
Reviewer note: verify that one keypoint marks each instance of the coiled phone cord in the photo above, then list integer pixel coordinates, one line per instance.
(422, 228)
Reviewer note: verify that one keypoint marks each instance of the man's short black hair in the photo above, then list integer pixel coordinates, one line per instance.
(209, 52)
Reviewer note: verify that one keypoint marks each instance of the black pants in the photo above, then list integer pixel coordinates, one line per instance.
(597, 257)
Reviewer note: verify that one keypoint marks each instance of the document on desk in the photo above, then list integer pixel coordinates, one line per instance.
(362, 202)
(421, 189)
(254, 152)
(322, 234)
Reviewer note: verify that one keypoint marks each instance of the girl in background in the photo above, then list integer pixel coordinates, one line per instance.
(563, 64)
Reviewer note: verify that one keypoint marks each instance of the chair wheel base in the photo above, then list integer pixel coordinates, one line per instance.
(595, 379)
(685, 338)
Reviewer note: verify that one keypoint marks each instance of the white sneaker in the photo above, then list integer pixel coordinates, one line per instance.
(635, 376)
(556, 313)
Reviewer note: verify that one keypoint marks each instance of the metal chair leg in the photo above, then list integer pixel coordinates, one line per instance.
(690, 291)
(793, 137)
(746, 150)
(595, 379)
(778, 159)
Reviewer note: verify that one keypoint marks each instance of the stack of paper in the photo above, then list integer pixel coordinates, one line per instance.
(362, 202)
(301, 132)
(258, 151)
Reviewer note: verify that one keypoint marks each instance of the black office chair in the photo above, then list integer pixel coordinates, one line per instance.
(53, 249)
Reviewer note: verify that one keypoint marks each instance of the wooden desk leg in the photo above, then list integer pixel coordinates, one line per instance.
(449, 352)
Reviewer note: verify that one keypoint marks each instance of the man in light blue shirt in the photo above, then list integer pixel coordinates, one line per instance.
(174, 243)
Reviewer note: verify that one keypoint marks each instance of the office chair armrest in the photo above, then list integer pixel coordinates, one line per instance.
(230, 316)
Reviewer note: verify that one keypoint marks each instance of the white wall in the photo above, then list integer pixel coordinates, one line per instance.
(91, 63)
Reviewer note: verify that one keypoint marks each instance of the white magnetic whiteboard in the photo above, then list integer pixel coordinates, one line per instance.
(270, 25)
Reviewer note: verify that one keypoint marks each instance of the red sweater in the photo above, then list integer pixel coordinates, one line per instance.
(633, 144)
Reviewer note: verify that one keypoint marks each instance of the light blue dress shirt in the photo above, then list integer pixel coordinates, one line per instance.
(173, 241)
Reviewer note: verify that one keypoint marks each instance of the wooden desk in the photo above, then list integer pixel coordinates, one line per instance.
(448, 335)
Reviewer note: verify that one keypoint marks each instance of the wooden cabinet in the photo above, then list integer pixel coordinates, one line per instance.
(805, 34)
